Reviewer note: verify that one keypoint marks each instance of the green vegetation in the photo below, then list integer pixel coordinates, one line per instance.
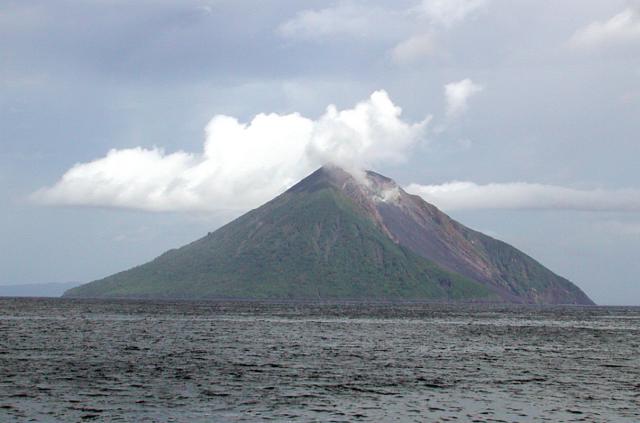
(315, 244)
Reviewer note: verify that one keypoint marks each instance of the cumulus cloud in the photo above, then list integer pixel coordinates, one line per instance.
(457, 95)
(450, 12)
(242, 164)
(414, 49)
(520, 195)
(620, 29)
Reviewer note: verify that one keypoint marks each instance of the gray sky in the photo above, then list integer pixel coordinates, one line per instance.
(127, 128)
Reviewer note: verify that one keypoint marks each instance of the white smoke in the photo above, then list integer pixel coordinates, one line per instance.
(242, 164)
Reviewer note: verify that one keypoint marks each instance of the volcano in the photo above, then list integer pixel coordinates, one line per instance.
(338, 235)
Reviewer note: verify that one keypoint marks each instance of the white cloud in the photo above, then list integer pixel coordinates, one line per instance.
(242, 164)
(521, 195)
(414, 49)
(345, 19)
(457, 95)
(620, 29)
(362, 20)
(412, 29)
(450, 12)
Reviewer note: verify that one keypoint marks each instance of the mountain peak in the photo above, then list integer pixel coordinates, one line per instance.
(364, 182)
(344, 235)
(324, 177)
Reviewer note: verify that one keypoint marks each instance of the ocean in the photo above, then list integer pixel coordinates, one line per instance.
(161, 361)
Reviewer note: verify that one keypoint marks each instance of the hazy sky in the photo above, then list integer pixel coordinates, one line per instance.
(128, 128)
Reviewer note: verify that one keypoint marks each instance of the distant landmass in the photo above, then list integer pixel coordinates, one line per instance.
(37, 289)
(336, 236)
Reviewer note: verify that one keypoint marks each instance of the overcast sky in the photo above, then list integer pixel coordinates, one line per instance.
(128, 128)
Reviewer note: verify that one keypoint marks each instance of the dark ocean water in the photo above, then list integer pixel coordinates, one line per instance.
(64, 360)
